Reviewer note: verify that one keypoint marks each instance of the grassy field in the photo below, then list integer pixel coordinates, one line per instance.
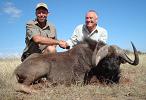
(132, 86)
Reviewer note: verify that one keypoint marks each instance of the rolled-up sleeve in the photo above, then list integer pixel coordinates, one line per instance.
(73, 40)
(76, 37)
(103, 36)
(31, 30)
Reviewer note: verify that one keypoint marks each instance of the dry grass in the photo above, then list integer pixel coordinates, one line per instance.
(132, 86)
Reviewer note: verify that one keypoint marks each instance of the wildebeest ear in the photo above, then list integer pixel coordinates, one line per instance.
(123, 61)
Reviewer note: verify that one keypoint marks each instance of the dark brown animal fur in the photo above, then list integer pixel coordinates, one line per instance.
(76, 64)
(64, 67)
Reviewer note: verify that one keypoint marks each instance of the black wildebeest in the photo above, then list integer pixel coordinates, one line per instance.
(64, 67)
(77, 64)
(107, 61)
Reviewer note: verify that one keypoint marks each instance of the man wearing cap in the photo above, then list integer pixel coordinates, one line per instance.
(40, 34)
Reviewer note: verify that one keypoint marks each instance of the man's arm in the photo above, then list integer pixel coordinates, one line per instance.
(34, 34)
(44, 40)
(103, 36)
(76, 36)
(48, 41)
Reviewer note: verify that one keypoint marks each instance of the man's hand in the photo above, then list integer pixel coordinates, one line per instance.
(63, 44)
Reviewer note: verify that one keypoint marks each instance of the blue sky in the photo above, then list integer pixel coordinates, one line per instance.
(125, 20)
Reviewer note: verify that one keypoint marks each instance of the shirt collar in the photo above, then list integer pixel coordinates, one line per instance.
(36, 23)
(94, 31)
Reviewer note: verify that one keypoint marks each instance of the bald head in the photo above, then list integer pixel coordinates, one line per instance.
(91, 20)
(92, 13)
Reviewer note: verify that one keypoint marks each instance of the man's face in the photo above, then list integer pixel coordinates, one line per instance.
(41, 14)
(91, 20)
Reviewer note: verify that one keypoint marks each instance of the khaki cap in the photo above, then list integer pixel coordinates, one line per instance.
(42, 5)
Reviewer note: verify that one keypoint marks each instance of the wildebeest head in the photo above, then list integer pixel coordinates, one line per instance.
(107, 60)
(111, 51)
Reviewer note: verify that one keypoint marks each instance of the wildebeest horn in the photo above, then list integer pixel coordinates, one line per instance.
(122, 54)
(100, 54)
(106, 50)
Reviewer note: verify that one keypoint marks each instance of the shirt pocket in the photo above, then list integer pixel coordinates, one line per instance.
(49, 34)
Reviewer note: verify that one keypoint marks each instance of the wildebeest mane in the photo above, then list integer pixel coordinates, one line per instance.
(92, 44)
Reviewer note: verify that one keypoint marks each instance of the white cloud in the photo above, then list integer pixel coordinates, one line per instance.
(12, 10)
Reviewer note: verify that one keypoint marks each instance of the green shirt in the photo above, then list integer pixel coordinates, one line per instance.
(32, 29)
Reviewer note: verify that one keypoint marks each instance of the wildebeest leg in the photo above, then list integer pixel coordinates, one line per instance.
(89, 75)
(25, 82)
(25, 89)
(24, 85)
(87, 78)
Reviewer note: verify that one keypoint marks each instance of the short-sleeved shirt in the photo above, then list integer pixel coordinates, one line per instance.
(32, 29)
(81, 31)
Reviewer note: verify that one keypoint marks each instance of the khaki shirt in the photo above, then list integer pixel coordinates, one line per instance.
(32, 29)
